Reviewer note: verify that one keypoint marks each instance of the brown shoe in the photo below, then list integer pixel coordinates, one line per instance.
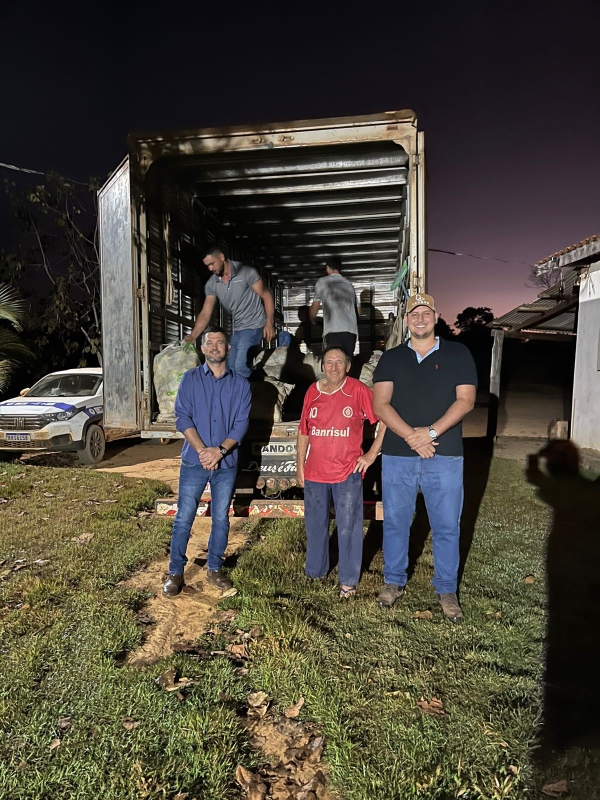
(451, 607)
(217, 577)
(389, 594)
(173, 585)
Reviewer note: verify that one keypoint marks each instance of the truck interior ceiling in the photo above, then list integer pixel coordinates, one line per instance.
(284, 211)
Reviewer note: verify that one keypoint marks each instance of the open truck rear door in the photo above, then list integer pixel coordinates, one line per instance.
(120, 307)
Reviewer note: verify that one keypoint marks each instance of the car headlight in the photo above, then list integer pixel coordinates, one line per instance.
(60, 416)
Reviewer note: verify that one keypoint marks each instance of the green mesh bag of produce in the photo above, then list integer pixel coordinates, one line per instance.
(169, 366)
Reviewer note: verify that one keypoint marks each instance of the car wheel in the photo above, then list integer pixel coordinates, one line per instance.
(95, 445)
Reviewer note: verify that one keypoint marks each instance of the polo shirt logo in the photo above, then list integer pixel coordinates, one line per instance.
(347, 412)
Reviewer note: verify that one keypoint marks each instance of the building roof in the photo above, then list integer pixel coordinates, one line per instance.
(551, 315)
(575, 252)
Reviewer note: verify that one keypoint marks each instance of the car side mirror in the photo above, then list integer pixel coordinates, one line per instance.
(23, 392)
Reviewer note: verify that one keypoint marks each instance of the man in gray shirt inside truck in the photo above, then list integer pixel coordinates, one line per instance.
(241, 291)
(337, 296)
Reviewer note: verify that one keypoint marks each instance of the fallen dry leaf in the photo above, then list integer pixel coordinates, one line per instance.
(48, 494)
(434, 707)
(256, 631)
(230, 592)
(555, 789)
(253, 786)
(182, 796)
(513, 769)
(130, 724)
(256, 699)
(493, 614)
(238, 651)
(244, 777)
(314, 750)
(41, 562)
(167, 679)
(229, 615)
(54, 744)
(292, 711)
(64, 722)
(396, 693)
(22, 765)
(84, 538)
(423, 615)
(529, 579)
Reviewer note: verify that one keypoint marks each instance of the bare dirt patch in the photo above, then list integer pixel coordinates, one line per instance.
(144, 460)
(187, 616)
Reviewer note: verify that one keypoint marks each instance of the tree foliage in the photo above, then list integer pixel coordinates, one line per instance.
(474, 320)
(543, 280)
(444, 330)
(57, 259)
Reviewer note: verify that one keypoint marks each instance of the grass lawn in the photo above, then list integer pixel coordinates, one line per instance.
(65, 628)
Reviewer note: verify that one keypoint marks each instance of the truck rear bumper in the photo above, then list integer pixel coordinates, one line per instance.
(263, 509)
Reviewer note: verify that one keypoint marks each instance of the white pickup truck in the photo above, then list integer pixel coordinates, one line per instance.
(62, 412)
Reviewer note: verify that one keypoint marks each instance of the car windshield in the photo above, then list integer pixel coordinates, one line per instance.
(66, 386)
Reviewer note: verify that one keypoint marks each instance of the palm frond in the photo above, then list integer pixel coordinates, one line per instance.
(6, 368)
(12, 348)
(12, 307)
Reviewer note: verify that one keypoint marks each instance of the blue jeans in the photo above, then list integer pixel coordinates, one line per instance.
(441, 480)
(192, 482)
(348, 505)
(241, 342)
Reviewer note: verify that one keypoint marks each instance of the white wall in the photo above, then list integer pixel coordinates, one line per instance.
(586, 382)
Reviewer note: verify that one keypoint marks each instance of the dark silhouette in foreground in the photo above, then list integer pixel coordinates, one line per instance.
(571, 698)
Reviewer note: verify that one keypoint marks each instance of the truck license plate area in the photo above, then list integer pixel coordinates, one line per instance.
(18, 437)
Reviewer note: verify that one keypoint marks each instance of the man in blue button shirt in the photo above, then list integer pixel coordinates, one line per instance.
(212, 409)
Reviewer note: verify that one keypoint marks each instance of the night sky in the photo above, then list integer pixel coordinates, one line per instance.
(508, 96)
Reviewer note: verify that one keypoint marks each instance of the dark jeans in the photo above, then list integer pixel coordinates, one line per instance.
(242, 343)
(192, 482)
(441, 480)
(342, 339)
(348, 504)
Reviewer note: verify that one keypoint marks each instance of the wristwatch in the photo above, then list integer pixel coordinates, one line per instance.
(432, 432)
(222, 450)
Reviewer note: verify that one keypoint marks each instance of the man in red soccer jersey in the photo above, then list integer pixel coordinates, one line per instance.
(331, 463)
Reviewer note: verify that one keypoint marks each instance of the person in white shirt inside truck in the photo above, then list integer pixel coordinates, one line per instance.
(337, 296)
(242, 292)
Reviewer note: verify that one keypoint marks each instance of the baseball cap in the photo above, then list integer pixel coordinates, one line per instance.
(419, 300)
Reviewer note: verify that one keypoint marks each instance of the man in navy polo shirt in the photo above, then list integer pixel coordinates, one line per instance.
(212, 409)
(422, 390)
